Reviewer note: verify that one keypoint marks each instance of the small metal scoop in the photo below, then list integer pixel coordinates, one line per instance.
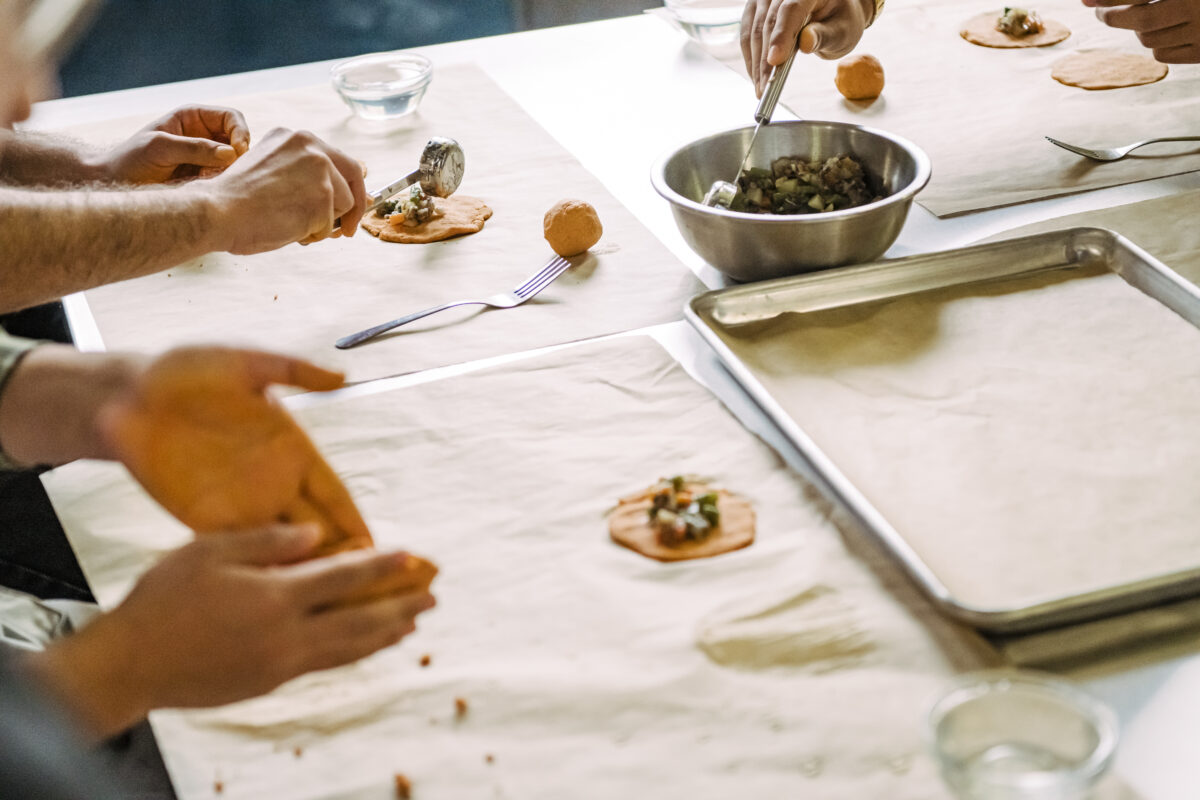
(721, 193)
(439, 173)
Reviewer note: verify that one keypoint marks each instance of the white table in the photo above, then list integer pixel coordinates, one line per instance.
(619, 94)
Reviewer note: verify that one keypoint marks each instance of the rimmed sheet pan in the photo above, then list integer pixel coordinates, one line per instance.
(1014, 422)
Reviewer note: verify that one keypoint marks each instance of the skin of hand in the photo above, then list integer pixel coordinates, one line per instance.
(227, 617)
(290, 187)
(200, 432)
(192, 141)
(828, 28)
(1169, 28)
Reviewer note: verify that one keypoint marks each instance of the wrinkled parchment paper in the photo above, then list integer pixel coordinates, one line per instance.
(1031, 439)
(785, 669)
(302, 299)
(981, 114)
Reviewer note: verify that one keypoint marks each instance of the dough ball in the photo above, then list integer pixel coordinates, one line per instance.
(860, 77)
(571, 226)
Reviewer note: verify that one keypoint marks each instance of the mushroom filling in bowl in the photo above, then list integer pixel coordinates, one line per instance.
(795, 186)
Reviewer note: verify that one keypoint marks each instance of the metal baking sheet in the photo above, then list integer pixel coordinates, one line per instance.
(731, 320)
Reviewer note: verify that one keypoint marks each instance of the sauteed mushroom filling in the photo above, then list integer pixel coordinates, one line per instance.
(795, 186)
(1019, 22)
(414, 207)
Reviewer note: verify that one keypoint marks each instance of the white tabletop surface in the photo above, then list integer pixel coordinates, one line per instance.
(620, 93)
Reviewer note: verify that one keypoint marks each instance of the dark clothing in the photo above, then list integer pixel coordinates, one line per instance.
(40, 757)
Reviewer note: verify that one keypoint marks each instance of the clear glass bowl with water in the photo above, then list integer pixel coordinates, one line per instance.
(1014, 735)
(383, 85)
(711, 22)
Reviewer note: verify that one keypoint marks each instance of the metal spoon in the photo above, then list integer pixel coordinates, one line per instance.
(720, 194)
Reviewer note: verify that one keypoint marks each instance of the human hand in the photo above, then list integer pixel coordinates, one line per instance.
(189, 142)
(199, 431)
(291, 187)
(231, 616)
(829, 28)
(1169, 28)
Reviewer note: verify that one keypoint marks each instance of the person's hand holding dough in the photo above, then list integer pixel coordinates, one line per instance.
(199, 431)
(1169, 28)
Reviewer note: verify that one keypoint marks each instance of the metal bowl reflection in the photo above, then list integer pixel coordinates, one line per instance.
(753, 247)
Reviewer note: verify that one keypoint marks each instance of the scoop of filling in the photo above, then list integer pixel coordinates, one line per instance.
(411, 209)
(679, 515)
(795, 186)
(1019, 22)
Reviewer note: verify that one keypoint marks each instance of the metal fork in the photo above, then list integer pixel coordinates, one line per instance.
(525, 291)
(1117, 153)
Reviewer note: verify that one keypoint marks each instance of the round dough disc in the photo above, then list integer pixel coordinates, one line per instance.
(1107, 69)
(630, 527)
(981, 30)
(460, 215)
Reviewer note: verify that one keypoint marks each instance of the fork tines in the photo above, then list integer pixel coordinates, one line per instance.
(555, 267)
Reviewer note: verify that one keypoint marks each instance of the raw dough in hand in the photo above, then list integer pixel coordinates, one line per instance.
(629, 525)
(981, 30)
(459, 215)
(1107, 69)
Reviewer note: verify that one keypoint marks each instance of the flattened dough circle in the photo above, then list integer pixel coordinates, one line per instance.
(981, 30)
(629, 526)
(1107, 69)
(460, 215)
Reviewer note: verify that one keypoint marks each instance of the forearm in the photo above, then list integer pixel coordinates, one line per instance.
(37, 159)
(51, 402)
(53, 243)
(92, 675)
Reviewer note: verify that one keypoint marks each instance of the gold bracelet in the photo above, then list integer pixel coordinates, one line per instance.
(878, 11)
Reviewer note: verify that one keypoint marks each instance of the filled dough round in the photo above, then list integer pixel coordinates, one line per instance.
(459, 215)
(981, 30)
(629, 525)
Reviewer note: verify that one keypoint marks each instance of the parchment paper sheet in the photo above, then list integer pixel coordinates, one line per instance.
(302, 299)
(784, 669)
(1162, 227)
(981, 113)
(1030, 439)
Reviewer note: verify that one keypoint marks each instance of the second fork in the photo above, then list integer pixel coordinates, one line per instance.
(510, 299)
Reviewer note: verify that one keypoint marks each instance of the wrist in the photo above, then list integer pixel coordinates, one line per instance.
(215, 222)
(91, 675)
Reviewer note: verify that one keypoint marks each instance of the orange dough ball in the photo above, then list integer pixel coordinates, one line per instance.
(860, 77)
(571, 226)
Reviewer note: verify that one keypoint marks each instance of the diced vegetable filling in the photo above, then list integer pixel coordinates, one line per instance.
(795, 186)
(679, 515)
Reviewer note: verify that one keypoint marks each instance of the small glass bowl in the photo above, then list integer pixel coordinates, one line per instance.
(708, 22)
(1013, 735)
(382, 86)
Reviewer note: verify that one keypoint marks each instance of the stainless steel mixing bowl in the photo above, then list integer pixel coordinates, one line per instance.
(753, 247)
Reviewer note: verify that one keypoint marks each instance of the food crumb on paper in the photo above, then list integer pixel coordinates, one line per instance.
(276, 297)
(403, 786)
(489, 759)
(218, 787)
(426, 659)
(297, 751)
(460, 707)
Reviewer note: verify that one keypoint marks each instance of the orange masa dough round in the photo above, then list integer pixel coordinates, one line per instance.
(1107, 69)
(859, 77)
(629, 525)
(981, 30)
(571, 227)
(460, 215)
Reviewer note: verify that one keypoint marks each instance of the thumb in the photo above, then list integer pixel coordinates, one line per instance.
(170, 148)
(811, 36)
(829, 39)
(274, 544)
